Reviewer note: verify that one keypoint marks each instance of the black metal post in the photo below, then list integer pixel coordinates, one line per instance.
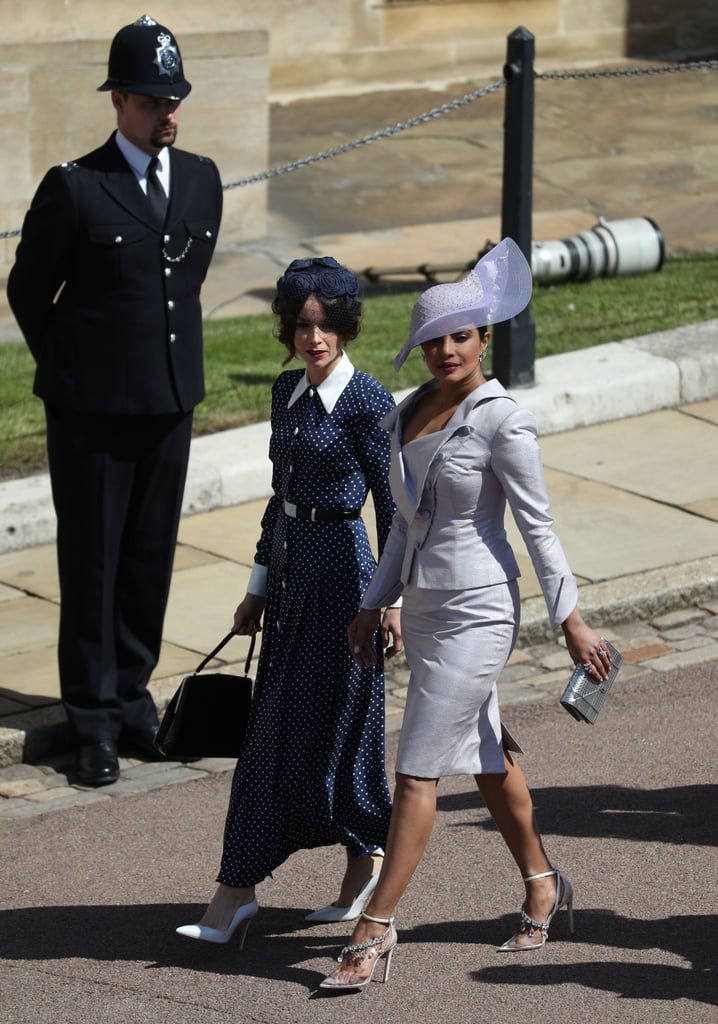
(514, 342)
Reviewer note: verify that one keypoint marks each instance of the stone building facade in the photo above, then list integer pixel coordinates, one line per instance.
(242, 57)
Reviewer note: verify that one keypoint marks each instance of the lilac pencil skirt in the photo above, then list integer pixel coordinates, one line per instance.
(456, 643)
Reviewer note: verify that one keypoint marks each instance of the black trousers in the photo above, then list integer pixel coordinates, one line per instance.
(117, 486)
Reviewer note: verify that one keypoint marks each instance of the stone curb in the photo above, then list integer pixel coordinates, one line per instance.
(668, 641)
(641, 595)
(42, 731)
(572, 390)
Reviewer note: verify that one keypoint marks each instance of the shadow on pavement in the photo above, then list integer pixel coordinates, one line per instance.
(678, 814)
(137, 933)
(683, 936)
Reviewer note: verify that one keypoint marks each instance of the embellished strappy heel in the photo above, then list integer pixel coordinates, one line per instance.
(381, 947)
(539, 929)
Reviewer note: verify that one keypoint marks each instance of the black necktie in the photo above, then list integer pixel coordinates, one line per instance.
(155, 193)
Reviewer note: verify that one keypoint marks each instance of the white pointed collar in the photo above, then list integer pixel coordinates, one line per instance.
(139, 161)
(330, 389)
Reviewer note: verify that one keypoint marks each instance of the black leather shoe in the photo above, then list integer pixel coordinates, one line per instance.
(97, 763)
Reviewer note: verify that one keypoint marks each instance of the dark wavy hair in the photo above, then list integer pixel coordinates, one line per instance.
(334, 287)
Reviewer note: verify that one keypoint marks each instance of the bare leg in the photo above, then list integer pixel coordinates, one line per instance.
(223, 905)
(358, 870)
(508, 800)
(412, 819)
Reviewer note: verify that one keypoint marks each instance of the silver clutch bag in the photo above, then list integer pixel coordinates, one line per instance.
(585, 695)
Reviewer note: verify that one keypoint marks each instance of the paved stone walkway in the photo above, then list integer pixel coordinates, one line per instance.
(674, 640)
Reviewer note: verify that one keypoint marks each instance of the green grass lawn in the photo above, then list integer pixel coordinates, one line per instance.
(242, 356)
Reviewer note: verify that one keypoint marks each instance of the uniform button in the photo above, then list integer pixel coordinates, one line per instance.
(171, 304)
(208, 234)
(118, 239)
(165, 238)
(168, 271)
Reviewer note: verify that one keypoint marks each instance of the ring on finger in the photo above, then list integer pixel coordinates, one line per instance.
(602, 652)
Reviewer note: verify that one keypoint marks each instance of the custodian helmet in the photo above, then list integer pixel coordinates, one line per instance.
(145, 59)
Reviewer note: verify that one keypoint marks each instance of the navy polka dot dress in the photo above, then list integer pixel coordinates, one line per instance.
(312, 769)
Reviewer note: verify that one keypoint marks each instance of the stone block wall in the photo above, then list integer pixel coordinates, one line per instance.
(241, 57)
(340, 45)
(50, 111)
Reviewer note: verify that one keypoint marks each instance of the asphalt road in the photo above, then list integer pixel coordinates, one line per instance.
(628, 810)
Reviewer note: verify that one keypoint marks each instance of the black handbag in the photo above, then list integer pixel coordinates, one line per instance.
(207, 716)
(585, 695)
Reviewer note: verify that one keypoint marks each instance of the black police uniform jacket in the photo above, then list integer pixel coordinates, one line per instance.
(107, 300)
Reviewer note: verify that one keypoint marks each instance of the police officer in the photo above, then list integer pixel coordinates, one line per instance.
(105, 288)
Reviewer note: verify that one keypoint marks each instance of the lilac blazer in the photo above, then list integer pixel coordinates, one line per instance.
(448, 531)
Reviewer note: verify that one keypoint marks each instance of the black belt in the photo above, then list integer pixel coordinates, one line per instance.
(320, 515)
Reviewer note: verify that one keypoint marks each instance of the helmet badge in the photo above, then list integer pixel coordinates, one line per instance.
(167, 56)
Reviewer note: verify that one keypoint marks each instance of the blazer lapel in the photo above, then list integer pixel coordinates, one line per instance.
(411, 490)
(122, 186)
(182, 181)
(443, 442)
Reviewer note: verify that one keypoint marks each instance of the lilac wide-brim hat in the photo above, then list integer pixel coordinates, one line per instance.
(498, 288)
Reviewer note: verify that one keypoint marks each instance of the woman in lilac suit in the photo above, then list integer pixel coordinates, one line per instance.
(462, 449)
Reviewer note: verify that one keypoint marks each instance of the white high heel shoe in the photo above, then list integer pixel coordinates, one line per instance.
(241, 917)
(539, 929)
(332, 913)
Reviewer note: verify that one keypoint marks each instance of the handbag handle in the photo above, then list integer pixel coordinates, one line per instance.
(219, 647)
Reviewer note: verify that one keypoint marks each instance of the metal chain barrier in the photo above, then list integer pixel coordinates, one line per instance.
(470, 97)
(660, 69)
(383, 133)
(447, 108)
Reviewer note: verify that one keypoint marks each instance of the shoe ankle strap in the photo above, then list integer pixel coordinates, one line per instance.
(543, 874)
(377, 920)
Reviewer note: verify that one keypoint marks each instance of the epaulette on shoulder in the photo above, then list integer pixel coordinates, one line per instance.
(69, 165)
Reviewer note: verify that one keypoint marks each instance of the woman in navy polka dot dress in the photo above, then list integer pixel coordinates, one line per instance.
(312, 769)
